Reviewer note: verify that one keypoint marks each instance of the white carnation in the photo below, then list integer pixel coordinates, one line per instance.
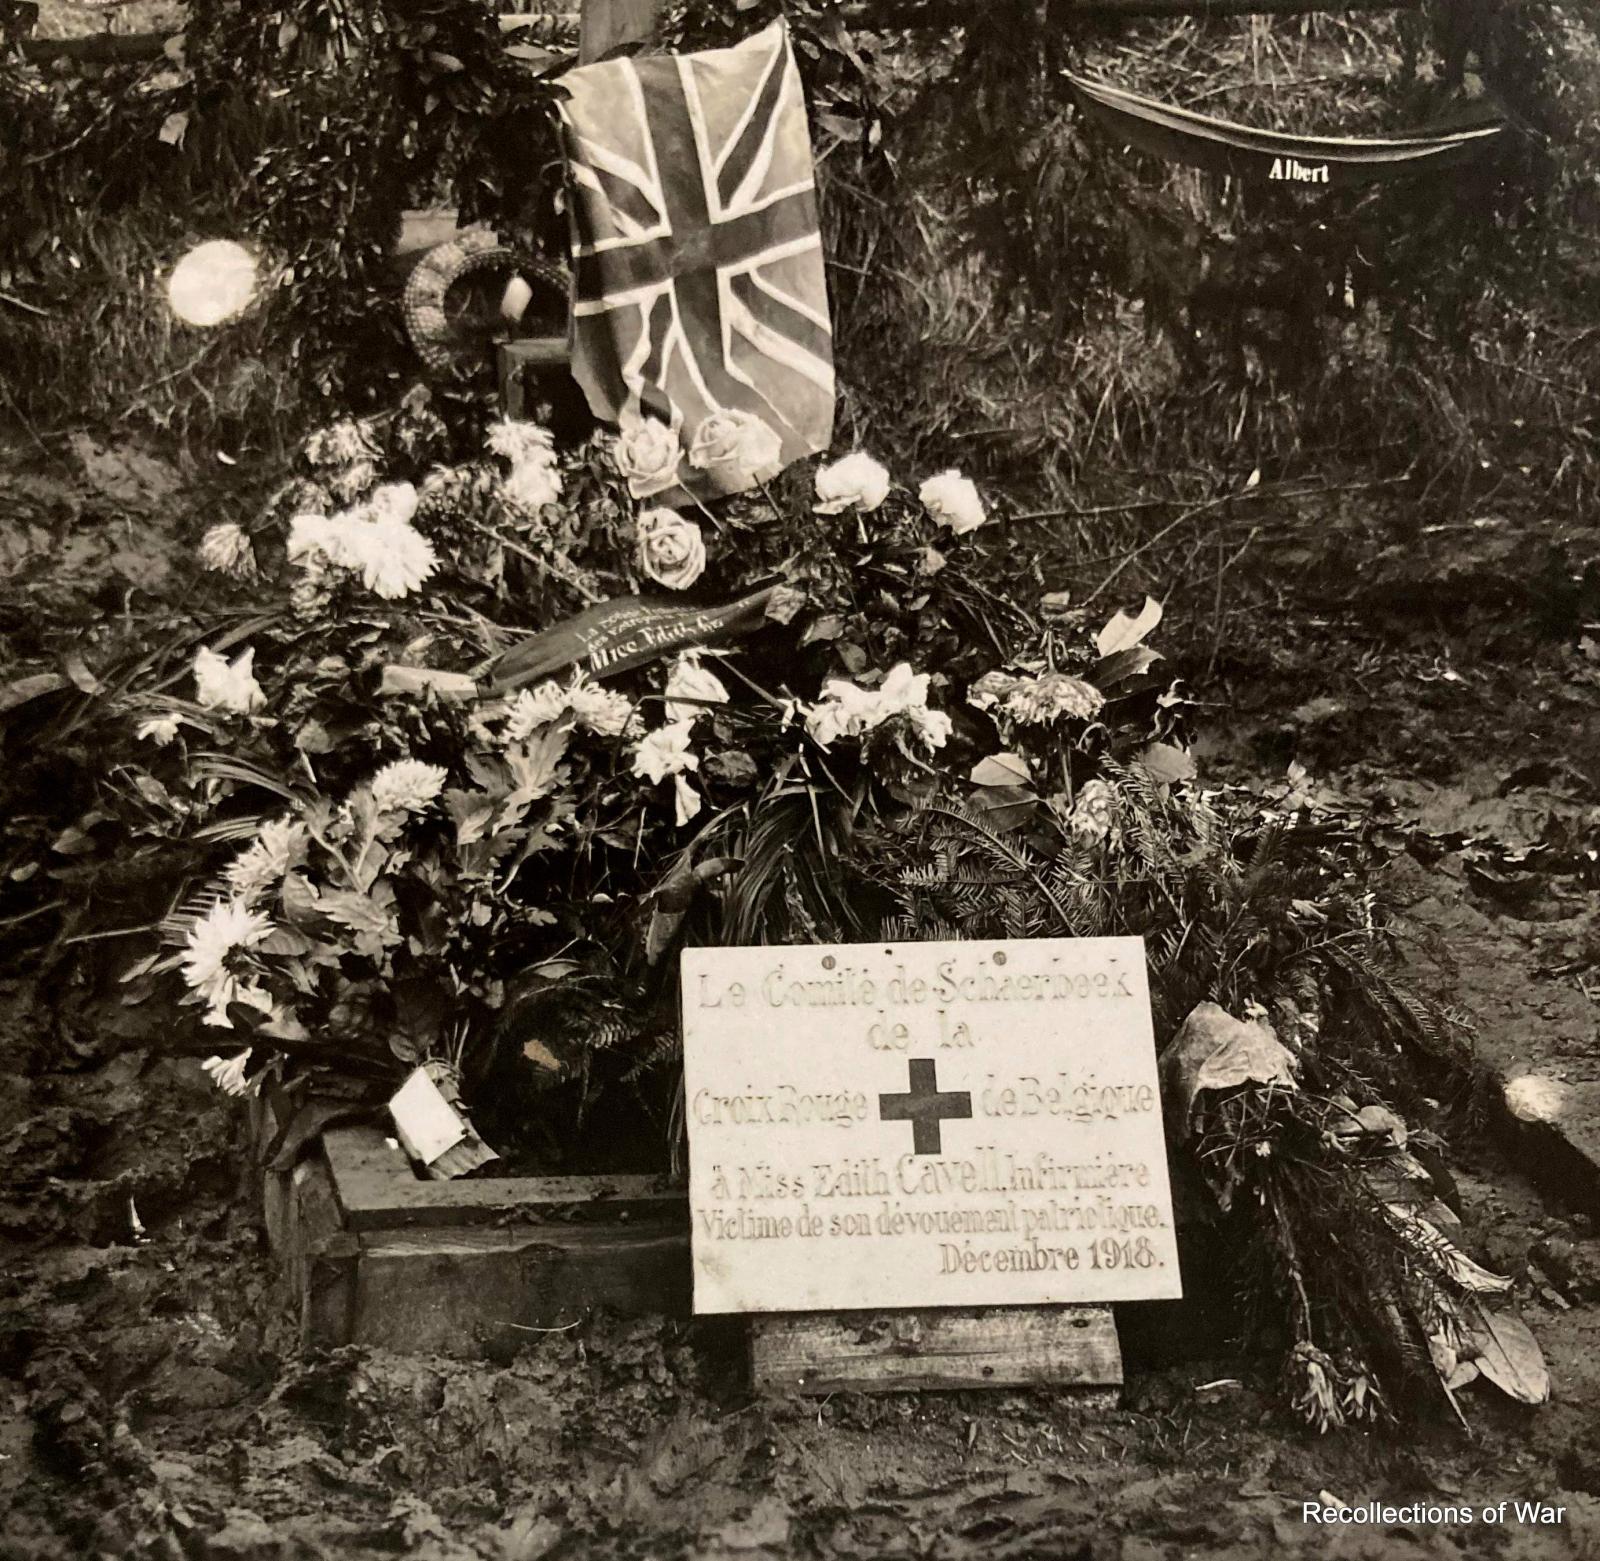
(664, 752)
(157, 729)
(224, 685)
(531, 486)
(692, 689)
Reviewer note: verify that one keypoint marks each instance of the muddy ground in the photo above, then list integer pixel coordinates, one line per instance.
(151, 1403)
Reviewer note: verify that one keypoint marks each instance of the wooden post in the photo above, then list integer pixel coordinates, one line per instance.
(610, 24)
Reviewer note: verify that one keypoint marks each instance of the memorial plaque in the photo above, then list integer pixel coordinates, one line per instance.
(924, 1125)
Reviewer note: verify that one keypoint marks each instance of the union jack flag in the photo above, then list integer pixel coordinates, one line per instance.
(697, 259)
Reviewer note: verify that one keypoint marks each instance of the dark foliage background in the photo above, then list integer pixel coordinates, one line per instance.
(1009, 287)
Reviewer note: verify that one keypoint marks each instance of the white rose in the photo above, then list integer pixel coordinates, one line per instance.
(647, 455)
(671, 549)
(738, 439)
(857, 480)
(953, 501)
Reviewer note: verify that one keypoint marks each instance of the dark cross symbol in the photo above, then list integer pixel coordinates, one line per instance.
(924, 1107)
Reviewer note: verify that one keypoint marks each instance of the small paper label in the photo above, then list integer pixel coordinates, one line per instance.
(427, 1123)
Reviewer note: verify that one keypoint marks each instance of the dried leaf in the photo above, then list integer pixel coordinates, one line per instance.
(20, 690)
(1215, 1051)
(1111, 671)
(1123, 632)
(1001, 769)
(1167, 765)
(77, 670)
(1509, 1356)
(540, 1055)
(1380, 1119)
(1460, 1268)
(1007, 807)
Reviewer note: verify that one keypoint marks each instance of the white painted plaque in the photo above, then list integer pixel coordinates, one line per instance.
(927, 1124)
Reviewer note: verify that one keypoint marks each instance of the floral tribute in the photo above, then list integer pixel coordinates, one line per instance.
(384, 863)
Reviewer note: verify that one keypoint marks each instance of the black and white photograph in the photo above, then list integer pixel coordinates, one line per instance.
(799, 780)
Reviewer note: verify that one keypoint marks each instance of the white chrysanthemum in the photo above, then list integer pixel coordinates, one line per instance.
(224, 685)
(158, 729)
(530, 486)
(692, 689)
(395, 558)
(953, 501)
(522, 442)
(227, 1073)
(376, 541)
(664, 752)
(310, 535)
(407, 786)
(533, 708)
(599, 710)
(262, 865)
(856, 480)
(213, 940)
(226, 549)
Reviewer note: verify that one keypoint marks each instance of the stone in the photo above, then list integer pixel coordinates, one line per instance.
(930, 1125)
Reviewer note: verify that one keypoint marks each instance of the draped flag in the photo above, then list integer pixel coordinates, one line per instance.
(700, 306)
(1183, 136)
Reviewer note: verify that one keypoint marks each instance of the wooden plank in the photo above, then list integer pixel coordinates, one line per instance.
(448, 1292)
(377, 1191)
(866, 1352)
(608, 25)
(322, 1259)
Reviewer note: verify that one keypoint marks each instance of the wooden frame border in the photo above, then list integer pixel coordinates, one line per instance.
(377, 1191)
